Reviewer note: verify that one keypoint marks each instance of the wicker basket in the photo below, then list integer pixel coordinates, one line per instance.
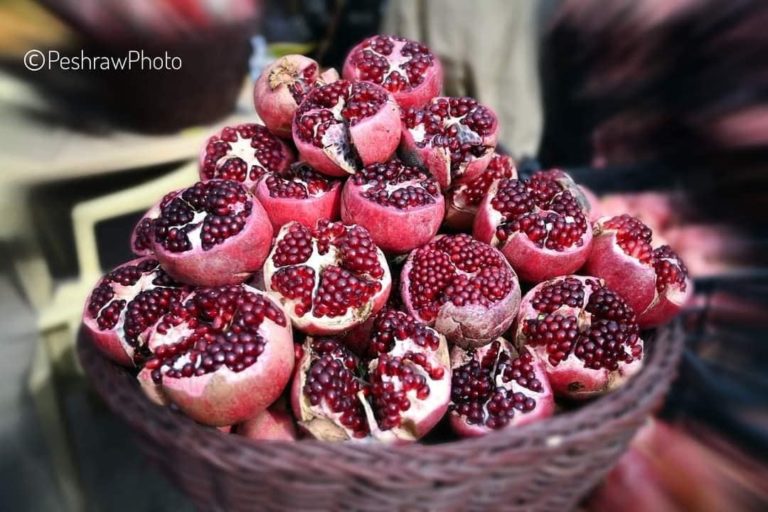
(547, 466)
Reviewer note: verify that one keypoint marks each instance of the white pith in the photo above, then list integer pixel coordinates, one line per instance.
(395, 60)
(241, 148)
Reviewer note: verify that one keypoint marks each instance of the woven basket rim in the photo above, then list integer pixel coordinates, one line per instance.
(663, 351)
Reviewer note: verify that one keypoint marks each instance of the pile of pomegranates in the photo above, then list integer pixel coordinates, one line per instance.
(366, 266)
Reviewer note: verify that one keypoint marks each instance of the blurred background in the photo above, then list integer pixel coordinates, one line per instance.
(659, 106)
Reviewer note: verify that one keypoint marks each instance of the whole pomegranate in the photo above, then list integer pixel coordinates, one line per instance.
(396, 393)
(299, 194)
(496, 387)
(400, 206)
(210, 234)
(223, 355)
(274, 424)
(406, 68)
(585, 333)
(464, 199)
(539, 225)
(453, 138)
(344, 125)
(125, 304)
(654, 282)
(329, 278)
(282, 86)
(466, 289)
(243, 153)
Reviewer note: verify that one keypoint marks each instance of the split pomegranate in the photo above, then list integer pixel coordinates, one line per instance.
(144, 232)
(406, 68)
(466, 289)
(223, 355)
(496, 387)
(585, 333)
(274, 424)
(453, 138)
(398, 396)
(343, 126)
(464, 199)
(299, 194)
(125, 304)
(400, 206)
(243, 153)
(328, 278)
(210, 234)
(282, 86)
(539, 225)
(653, 281)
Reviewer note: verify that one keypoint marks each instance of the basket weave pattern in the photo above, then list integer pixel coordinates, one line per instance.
(547, 466)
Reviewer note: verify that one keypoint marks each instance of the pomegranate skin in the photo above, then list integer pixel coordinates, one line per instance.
(416, 96)
(666, 306)
(231, 262)
(272, 97)
(271, 425)
(307, 211)
(395, 230)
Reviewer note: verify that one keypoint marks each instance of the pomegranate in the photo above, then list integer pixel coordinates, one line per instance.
(223, 355)
(282, 86)
(274, 424)
(466, 289)
(329, 278)
(453, 138)
(400, 206)
(396, 393)
(143, 232)
(344, 125)
(300, 194)
(212, 233)
(125, 304)
(464, 199)
(539, 225)
(586, 335)
(406, 68)
(654, 282)
(496, 387)
(243, 153)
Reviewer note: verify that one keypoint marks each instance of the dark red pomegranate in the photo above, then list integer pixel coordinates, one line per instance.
(401, 206)
(223, 356)
(299, 194)
(464, 199)
(329, 278)
(406, 68)
(453, 138)
(125, 304)
(210, 234)
(496, 387)
(144, 231)
(585, 333)
(243, 153)
(539, 225)
(343, 126)
(396, 393)
(282, 86)
(466, 289)
(653, 281)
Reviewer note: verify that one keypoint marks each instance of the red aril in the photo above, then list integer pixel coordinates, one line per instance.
(673, 288)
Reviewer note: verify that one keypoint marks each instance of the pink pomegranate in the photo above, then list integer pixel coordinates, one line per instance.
(453, 138)
(466, 289)
(328, 278)
(274, 424)
(282, 86)
(496, 387)
(586, 335)
(344, 125)
(464, 199)
(243, 153)
(223, 356)
(210, 234)
(406, 68)
(400, 206)
(654, 282)
(396, 393)
(125, 304)
(299, 194)
(539, 225)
